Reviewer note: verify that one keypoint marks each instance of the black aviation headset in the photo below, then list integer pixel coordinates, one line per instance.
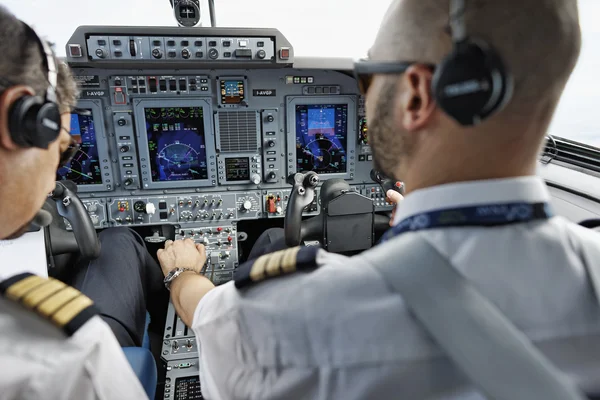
(35, 121)
(471, 83)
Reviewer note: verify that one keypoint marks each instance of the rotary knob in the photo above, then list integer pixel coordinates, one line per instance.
(185, 53)
(95, 219)
(122, 122)
(270, 118)
(150, 209)
(246, 206)
(157, 53)
(213, 54)
(255, 179)
(261, 54)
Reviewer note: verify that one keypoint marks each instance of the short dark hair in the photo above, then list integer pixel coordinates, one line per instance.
(22, 63)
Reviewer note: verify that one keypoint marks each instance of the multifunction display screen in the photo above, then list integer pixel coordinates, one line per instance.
(176, 143)
(322, 138)
(84, 168)
(232, 91)
(237, 169)
(188, 388)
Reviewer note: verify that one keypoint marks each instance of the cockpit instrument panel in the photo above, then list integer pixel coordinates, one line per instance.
(232, 92)
(322, 138)
(321, 129)
(89, 167)
(188, 388)
(176, 142)
(363, 132)
(84, 167)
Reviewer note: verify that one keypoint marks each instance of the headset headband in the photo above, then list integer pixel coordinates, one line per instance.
(458, 25)
(49, 62)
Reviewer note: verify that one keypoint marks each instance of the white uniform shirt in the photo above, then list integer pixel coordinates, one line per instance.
(339, 333)
(37, 361)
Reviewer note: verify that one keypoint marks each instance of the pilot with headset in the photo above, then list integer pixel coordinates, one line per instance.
(458, 108)
(56, 342)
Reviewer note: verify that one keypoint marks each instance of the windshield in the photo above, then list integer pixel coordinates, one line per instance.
(321, 28)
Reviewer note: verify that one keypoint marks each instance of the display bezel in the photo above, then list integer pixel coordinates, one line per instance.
(350, 101)
(102, 145)
(144, 152)
(244, 103)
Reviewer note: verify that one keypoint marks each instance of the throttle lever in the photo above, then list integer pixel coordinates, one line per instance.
(387, 183)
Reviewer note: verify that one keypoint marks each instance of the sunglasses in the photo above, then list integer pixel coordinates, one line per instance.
(364, 70)
(67, 155)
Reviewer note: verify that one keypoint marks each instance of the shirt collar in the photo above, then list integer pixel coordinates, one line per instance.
(529, 189)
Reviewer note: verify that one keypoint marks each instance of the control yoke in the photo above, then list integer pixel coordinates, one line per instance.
(303, 193)
(387, 183)
(347, 221)
(83, 239)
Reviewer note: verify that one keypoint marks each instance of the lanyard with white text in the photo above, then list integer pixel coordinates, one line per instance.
(481, 215)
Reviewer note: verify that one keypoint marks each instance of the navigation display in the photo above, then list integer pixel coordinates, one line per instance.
(232, 91)
(322, 138)
(177, 143)
(84, 168)
(237, 169)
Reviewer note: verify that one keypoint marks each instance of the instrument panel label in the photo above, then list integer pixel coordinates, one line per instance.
(88, 81)
(93, 93)
(264, 92)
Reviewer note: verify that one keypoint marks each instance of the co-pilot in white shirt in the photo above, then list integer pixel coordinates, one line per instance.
(339, 333)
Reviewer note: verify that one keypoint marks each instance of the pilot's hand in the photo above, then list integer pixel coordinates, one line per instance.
(394, 198)
(181, 254)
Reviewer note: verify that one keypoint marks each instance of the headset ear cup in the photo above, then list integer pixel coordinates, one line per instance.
(471, 83)
(33, 123)
(48, 124)
(17, 121)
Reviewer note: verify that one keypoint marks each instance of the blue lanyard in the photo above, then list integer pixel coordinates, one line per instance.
(482, 215)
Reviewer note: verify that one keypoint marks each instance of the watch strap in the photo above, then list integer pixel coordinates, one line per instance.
(174, 273)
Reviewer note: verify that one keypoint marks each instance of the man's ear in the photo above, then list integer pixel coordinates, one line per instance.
(417, 102)
(7, 100)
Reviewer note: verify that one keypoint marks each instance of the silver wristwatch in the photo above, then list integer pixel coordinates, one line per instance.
(174, 273)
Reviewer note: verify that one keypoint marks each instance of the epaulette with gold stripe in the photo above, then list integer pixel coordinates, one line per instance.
(64, 306)
(276, 264)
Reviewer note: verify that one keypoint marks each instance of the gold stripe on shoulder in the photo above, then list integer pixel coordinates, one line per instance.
(272, 268)
(35, 296)
(50, 305)
(288, 264)
(71, 309)
(258, 268)
(20, 288)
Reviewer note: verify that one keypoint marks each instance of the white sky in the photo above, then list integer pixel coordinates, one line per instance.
(338, 28)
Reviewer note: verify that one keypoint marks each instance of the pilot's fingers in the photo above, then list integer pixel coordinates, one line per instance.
(394, 196)
(188, 241)
(159, 252)
(201, 249)
(168, 243)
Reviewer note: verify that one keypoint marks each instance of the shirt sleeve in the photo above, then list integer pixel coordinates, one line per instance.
(92, 367)
(231, 353)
